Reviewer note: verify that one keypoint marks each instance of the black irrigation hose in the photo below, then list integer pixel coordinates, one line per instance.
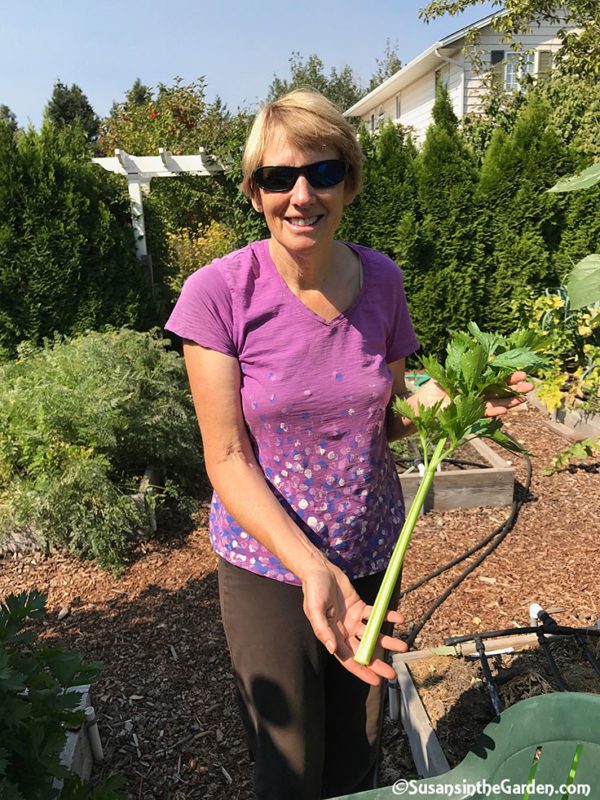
(493, 539)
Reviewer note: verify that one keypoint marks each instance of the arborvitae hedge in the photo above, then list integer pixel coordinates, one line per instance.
(67, 259)
(474, 242)
(445, 285)
(522, 223)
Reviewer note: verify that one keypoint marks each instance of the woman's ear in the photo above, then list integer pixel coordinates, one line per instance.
(349, 194)
(256, 201)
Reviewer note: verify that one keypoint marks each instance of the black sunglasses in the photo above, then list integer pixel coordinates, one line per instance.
(320, 175)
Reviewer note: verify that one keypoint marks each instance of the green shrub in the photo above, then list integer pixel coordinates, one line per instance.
(80, 421)
(67, 256)
(37, 711)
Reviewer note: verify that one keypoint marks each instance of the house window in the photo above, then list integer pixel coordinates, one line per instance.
(372, 123)
(516, 68)
(398, 107)
(380, 117)
(497, 68)
(544, 66)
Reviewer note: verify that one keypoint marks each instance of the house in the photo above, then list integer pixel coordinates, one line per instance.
(408, 96)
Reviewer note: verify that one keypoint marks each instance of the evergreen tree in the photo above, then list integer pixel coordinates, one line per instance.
(387, 66)
(139, 94)
(9, 118)
(67, 261)
(521, 222)
(69, 105)
(388, 191)
(445, 286)
(339, 87)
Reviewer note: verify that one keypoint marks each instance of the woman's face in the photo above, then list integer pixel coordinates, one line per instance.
(304, 219)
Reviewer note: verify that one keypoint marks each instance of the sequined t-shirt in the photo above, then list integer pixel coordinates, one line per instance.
(314, 395)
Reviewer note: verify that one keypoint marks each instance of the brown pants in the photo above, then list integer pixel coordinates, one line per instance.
(312, 727)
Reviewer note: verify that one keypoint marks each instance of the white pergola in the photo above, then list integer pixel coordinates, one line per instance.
(139, 171)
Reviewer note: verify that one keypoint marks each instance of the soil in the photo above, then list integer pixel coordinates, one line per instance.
(166, 703)
(466, 457)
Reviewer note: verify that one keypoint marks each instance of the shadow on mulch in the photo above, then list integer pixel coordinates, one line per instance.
(166, 703)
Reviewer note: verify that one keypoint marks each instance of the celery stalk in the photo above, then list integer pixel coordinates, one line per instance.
(364, 654)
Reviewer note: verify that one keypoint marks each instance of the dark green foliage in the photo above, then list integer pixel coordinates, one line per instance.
(138, 94)
(445, 286)
(37, 709)
(69, 105)
(374, 217)
(9, 118)
(67, 260)
(80, 421)
(523, 223)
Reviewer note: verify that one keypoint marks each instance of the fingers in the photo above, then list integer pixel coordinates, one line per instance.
(498, 407)
(390, 616)
(393, 643)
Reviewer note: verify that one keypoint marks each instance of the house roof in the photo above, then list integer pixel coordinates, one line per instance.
(423, 63)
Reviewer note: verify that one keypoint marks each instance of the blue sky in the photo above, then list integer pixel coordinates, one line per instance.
(237, 45)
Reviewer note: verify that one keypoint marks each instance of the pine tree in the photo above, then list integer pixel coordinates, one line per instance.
(69, 105)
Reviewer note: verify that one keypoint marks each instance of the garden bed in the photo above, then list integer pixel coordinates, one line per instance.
(581, 424)
(449, 704)
(167, 678)
(475, 476)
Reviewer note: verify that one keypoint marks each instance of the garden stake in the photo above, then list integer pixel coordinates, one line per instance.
(579, 638)
(489, 679)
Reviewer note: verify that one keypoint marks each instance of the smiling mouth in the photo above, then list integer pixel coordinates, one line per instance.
(303, 222)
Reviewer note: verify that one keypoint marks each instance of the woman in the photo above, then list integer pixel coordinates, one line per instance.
(295, 347)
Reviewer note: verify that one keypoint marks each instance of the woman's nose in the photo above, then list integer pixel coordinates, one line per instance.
(302, 191)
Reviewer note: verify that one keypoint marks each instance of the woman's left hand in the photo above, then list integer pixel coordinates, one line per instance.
(498, 406)
(338, 617)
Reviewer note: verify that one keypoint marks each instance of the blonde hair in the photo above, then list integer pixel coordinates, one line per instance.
(309, 122)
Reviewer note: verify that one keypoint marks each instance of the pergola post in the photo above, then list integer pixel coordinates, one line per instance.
(139, 171)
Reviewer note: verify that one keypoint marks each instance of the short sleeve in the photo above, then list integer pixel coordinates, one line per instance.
(401, 339)
(203, 313)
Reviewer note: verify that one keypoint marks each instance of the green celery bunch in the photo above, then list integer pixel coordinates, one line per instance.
(477, 365)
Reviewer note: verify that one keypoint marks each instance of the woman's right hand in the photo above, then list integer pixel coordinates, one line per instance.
(338, 615)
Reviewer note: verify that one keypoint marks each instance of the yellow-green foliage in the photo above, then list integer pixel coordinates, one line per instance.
(573, 376)
(189, 250)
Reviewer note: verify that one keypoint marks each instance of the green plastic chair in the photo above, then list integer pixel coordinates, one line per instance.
(553, 739)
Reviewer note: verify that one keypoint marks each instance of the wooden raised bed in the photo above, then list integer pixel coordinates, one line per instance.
(573, 424)
(82, 747)
(467, 488)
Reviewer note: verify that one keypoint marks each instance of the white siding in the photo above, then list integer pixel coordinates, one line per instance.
(542, 37)
(464, 84)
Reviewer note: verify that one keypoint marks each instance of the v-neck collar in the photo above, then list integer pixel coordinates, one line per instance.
(295, 299)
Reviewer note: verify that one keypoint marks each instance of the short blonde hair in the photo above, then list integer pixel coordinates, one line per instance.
(309, 121)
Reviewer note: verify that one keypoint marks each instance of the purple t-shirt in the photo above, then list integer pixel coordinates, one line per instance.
(314, 396)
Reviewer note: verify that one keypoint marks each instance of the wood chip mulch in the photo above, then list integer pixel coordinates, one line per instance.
(166, 705)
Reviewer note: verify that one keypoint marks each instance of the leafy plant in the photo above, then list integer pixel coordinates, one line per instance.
(190, 250)
(572, 375)
(583, 449)
(38, 710)
(477, 364)
(80, 421)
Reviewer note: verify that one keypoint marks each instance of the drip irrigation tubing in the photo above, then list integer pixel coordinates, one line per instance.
(490, 543)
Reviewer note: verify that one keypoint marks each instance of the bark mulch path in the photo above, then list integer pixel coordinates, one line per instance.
(166, 703)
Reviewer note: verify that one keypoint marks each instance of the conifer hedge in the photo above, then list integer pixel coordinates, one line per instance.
(476, 233)
(67, 259)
